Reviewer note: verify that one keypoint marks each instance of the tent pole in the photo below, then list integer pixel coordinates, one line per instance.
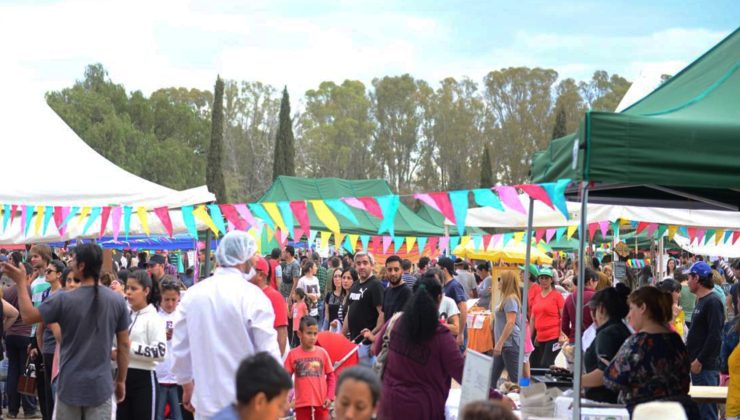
(578, 365)
(207, 263)
(615, 256)
(525, 296)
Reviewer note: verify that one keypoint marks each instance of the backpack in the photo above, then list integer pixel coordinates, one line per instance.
(382, 358)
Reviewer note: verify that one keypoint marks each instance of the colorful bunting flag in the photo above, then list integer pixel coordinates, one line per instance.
(300, 211)
(371, 206)
(510, 197)
(477, 242)
(735, 236)
(459, 201)
(604, 228)
(48, 215)
(428, 200)
(6, 216)
(505, 239)
(26, 215)
(518, 237)
(652, 227)
(454, 242)
(324, 238)
(692, 234)
(592, 227)
(187, 218)
(387, 240)
(661, 231)
(495, 240)
(559, 232)
(94, 214)
(232, 216)
(365, 240)
(39, 219)
(104, 216)
(163, 214)
(352, 241)
(325, 215)
(442, 199)
(487, 241)
(728, 235)
(538, 235)
(556, 192)
(341, 208)
(718, 236)
(201, 214)
(549, 233)
(485, 197)
(312, 236)
(127, 221)
(444, 244)
(571, 230)
(274, 213)
(410, 241)
(537, 192)
(641, 226)
(422, 242)
(397, 242)
(244, 212)
(117, 212)
(376, 244)
(672, 229)
(217, 217)
(389, 206)
(261, 213)
(287, 214)
(354, 202)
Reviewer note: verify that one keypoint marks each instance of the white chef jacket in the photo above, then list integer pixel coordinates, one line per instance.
(221, 320)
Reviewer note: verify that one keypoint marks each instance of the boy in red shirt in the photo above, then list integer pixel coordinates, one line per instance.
(314, 374)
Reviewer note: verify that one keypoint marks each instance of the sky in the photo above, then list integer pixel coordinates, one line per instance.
(151, 44)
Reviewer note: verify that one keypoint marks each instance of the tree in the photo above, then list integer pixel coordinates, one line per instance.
(284, 156)
(603, 92)
(214, 172)
(559, 130)
(486, 174)
(570, 101)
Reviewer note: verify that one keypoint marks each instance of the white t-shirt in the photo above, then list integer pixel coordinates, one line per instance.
(164, 368)
(310, 285)
(448, 308)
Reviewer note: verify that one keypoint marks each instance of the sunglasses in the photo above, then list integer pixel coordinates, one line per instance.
(49, 271)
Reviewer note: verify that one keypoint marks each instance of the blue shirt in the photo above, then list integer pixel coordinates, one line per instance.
(455, 291)
(228, 413)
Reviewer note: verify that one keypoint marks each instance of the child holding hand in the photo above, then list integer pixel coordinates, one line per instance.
(314, 374)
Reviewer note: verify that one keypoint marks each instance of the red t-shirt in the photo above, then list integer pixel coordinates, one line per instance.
(278, 306)
(533, 291)
(314, 376)
(273, 275)
(546, 312)
(299, 310)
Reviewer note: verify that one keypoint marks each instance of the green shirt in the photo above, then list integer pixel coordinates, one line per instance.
(322, 275)
(687, 300)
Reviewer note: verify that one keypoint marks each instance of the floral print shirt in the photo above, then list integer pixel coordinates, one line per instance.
(649, 367)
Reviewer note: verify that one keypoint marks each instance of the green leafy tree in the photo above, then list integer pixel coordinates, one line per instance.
(603, 92)
(284, 156)
(559, 130)
(214, 172)
(486, 173)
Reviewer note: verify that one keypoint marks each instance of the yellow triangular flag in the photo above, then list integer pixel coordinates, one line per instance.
(338, 238)
(84, 212)
(672, 229)
(353, 241)
(464, 240)
(274, 212)
(141, 212)
(269, 233)
(39, 219)
(518, 236)
(571, 230)
(325, 236)
(201, 214)
(718, 235)
(325, 215)
(410, 241)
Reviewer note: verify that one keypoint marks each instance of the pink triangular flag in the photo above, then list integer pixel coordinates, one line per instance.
(486, 241)
(510, 198)
(445, 206)
(104, 215)
(246, 214)
(735, 236)
(604, 227)
(652, 227)
(354, 202)
(432, 244)
(592, 230)
(58, 218)
(538, 193)
(538, 235)
(372, 206)
(297, 234)
(282, 237)
(13, 209)
(230, 213)
(376, 244)
(116, 213)
(301, 214)
(495, 240)
(163, 213)
(427, 199)
(549, 234)
(387, 240)
(692, 234)
(444, 243)
(700, 235)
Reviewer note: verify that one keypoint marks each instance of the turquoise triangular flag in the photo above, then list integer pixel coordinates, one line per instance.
(312, 236)
(365, 240)
(459, 200)
(348, 244)
(708, 235)
(454, 242)
(94, 214)
(389, 206)
(728, 234)
(421, 242)
(6, 215)
(217, 217)
(556, 192)
(260, 212)
(48, 215)
(684, 231)
(477, 242)
(126, 220)
(342, 209)
(397, 242)
(287, 214)
(559, 233)
(29, 217)
(634, 224)
(485, 197)
(189, 220)
(72, 213)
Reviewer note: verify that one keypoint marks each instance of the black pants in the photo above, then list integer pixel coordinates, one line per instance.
(141, 396)
(543, 355)
(48, 404)
(41, 389)
(16, 347)
(186, 415)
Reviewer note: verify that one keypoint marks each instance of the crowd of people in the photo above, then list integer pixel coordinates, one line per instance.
(258, 337)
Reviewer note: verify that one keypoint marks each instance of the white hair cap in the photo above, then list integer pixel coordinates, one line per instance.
(235, 248)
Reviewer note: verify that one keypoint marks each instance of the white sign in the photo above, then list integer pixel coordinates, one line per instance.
(476, 379)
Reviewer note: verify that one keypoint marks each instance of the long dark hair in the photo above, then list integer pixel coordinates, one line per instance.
(421, 313)
(145, 281)
(92, 256)
(613, 300)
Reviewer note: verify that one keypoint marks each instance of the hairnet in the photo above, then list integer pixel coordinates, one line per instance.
(235, 248)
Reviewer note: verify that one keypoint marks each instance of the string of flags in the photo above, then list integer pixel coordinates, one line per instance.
(291, 218)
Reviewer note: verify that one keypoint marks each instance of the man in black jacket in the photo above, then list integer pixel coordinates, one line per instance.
(705, 336)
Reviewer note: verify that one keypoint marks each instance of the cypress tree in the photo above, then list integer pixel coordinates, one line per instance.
(284, 159)
(214, 171)
(486, 172)
(560, 119)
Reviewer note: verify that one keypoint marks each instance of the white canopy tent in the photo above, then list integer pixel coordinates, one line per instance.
(38, 144)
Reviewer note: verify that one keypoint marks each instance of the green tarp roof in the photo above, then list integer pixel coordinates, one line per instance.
(407, 223)
(684, 136)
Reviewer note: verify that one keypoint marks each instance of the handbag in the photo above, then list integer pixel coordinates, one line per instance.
(27, 381)
(381, 359)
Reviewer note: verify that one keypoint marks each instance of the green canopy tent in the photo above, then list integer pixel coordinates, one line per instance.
(406, 223)
(676, 147)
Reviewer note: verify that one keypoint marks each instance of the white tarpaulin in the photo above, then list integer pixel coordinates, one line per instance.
(544, 216)
(719, 250)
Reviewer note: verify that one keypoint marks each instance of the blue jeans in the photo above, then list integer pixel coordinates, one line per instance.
(168, 394)
(16, 347)
(707, 378)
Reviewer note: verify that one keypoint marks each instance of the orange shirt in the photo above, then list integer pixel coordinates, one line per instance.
(546, 312)
(314, 376)
(299, 310)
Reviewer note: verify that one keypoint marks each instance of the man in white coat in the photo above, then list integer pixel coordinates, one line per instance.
(222, 320)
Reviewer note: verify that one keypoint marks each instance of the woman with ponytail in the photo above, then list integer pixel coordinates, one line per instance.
(653, 364)
(148, 347)
(422, 358)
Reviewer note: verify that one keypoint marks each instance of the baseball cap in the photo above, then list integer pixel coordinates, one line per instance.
(459, 261)
(157, 259)
(447, 263)
(700, 268)
(261, 265)
(533, 270)
(546, 271)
